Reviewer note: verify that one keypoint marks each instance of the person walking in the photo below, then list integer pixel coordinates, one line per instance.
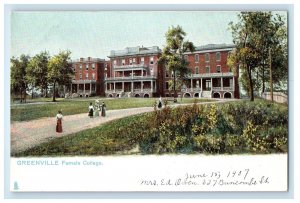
(103, 109)
(159, 102)
(59, 117)
(97, 109)
(91, 110)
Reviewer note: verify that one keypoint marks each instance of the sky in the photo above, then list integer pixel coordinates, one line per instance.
(96, 33)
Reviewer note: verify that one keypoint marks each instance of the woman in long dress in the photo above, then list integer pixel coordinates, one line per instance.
(103, 109)
(91, 110)
(59, 117)
(96, 113)
(159, 103)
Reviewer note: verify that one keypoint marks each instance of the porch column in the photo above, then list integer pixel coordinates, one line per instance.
(191, 84)
(142, 83)
(96, 88)
(71, 88)
(131, 86)
(110, 86)
(77, 88)
(123, 73)
(222, 83)
(114, 86)
(151, 86)
(131, 73)
(90, 87)
(201, 85)
(84, 87)
(123, 86)
(233, 83)
(105, 87)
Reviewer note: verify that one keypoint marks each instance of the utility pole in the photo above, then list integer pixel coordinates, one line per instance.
(271, 78)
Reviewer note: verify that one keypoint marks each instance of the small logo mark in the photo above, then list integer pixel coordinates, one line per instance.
(16, 187)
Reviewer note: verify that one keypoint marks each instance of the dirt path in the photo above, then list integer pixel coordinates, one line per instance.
(28, 134)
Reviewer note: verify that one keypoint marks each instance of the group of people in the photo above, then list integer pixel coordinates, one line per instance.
(95, 111)
(91, 113)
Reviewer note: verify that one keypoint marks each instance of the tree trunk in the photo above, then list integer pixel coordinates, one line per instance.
(263, 79)
(250, 83)
(46, 89)
(174, 87)
(53, 97)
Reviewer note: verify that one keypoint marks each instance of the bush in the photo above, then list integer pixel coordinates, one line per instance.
(255, 127)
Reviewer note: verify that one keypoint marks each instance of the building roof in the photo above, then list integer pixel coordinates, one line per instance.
(88, 59)
(130, 51)
(214, 46)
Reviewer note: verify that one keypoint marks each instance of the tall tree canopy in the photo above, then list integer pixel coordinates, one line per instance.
(17, 75)
(172, 55)
(59, 70)
(254, 35)
(36, 71)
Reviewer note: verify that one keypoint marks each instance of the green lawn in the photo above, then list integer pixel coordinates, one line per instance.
(102, 140)
(233, 128)
(25, 112)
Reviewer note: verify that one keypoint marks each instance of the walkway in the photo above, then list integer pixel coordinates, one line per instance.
(28, 134)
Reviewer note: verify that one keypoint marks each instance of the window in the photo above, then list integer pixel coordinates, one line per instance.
(186, 57)
(115, 62)
(142, 60)
(80, 76)
(207, 84)
(207, 69)
(130, 61)
(218, 69)
(86, 76)
(134, 60)
(93, 66)
(218, 56)
(123, 62)
(86, 66)
(196, 58)
(207, 57)
(80, 66)
(151, 60)
(167, 74)
(197, 70)
(93, 76)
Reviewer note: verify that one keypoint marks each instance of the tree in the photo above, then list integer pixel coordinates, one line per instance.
(36, 71)
(254, 35)
(18, 72)
(172, 55)
(59, 70)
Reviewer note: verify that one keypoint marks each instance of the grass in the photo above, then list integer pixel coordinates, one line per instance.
(95, 141)
(122, 135)
(26, 112)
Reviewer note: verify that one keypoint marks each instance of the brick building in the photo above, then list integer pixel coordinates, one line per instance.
(210, 74)
(133, 72)
(89, 77)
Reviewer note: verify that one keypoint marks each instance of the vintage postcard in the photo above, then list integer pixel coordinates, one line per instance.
(149, 101)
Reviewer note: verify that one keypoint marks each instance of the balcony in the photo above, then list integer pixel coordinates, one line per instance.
(130, 67)
(130, 78)
(197, 89)
(212, 75)
(83, 81)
